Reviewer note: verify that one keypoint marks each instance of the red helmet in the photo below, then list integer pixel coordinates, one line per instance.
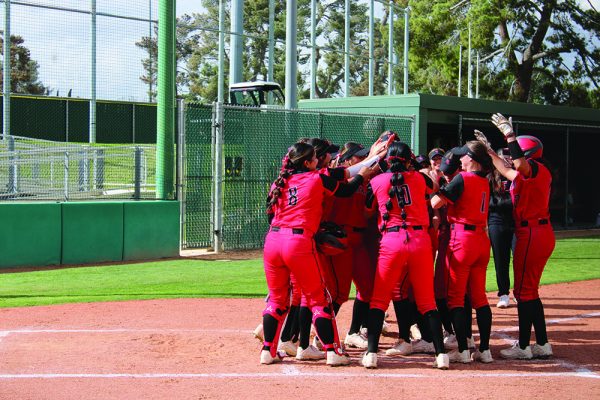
(532, 147)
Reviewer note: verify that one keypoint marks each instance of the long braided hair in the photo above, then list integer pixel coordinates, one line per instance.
(292, 162)
(399, 156)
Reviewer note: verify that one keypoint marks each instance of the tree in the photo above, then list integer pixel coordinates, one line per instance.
(24, 77)
(534, 51)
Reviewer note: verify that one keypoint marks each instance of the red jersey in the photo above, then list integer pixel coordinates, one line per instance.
(468, 196)
(531, 196)
(414, 189)
(301, 202)
(350, 210)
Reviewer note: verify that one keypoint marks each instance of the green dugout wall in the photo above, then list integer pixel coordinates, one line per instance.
(41, 234)
(568, 134)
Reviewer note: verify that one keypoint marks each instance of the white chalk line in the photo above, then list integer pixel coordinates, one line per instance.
(299, 374)
(289, 371)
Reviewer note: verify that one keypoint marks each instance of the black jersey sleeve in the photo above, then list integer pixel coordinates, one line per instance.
(454, 189)
(341, 189)
(428, 180)
(339, 174)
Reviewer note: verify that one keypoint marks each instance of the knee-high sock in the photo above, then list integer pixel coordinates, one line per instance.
(425, 327)
(460, 326)
(305, 320)
(539, 322)
(442, 306)
(468, 317)
(403, 309)
(525, 323)
(484, 323)
(336, 308)
(325, 329)
(360, 310)
(376, 317)
(434, 325)
(287, 331)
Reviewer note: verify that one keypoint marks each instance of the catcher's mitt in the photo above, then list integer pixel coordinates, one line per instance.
(331, 239)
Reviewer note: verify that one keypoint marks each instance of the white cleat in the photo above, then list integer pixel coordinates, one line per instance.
(369, 360)
(309, 354)
(356, 340)
(504, 301)
(258, 333)
(422, 346)
(450, 342)
(456, 356)
(336, 360)
(386, 328)
(266, 358)
(401, 348)
(482, 356)
(290, 348)
(544, 351)
(415, 333)
(517, 353)
(442, 361)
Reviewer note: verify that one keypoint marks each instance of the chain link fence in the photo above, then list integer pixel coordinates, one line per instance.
(46, 170)
(233, 154)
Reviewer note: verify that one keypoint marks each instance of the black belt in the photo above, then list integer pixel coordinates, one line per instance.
(466, 227)
(295, 231)
(542, 221)
(397, 228)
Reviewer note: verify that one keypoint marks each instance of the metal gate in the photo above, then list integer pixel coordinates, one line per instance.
(230, 155)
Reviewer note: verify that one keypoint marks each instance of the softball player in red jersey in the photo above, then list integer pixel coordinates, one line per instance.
(405, 249)
(296, 206)
(353, 264)
(468, 252)
(530, 192)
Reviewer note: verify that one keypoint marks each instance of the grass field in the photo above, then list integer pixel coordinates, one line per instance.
(573, 260)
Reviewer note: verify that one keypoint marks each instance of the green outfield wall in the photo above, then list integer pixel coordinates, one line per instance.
(44, 234)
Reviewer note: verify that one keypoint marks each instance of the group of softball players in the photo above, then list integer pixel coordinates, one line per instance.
(410, 230)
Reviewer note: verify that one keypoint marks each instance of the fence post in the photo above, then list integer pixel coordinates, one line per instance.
(12, 166)
(567, 165)
(180, 182)
(99, 168)
(83, 171)
(66, 180)
(218, 177)
(138, 172)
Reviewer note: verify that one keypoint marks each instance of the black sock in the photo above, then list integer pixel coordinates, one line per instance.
(269, 329)
(336, 308)
(376, 317)
(325, 330)
(360, 309)
(484, 323)
(305, 320)
(468, 317)
(403, 309)
(425, 327)
(525, 323)
(286, 332)
(434, 325)
(442, 306)
(539, 322)
(295, 331)
(460, 327)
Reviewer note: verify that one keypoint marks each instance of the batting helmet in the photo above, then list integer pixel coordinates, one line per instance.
(331, 239)
(532, 147)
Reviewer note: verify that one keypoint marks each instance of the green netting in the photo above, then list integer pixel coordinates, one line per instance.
(255, 140)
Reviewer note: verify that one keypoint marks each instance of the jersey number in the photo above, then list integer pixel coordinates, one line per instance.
(403, 194)
(293, 199)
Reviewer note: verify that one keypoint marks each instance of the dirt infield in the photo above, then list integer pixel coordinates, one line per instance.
(203, 349)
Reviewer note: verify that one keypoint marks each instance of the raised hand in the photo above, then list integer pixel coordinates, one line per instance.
(483, 139)
(503, 124)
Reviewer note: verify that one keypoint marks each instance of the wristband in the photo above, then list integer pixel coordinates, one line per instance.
(515, 150)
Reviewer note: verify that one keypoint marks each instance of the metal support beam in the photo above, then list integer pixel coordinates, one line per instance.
(92, 128)
(221, 56)
(237, 41)
(391, 49)
(406, 43)
(347, 48)
(371, 45)
(291, 58)
(313, 48)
